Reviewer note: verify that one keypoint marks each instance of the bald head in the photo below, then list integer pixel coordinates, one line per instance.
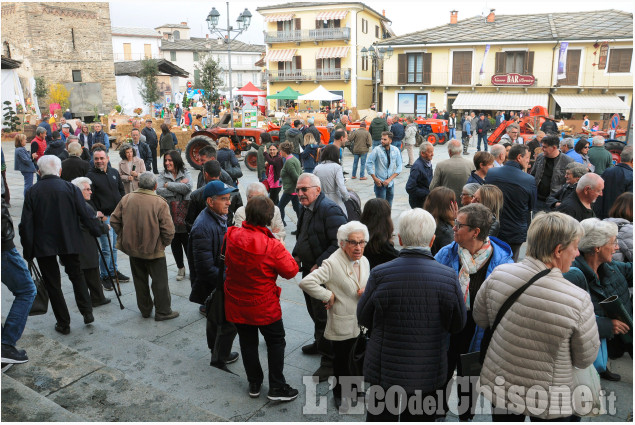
(590, 186)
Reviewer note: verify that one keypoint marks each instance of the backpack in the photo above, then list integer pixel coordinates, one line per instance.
(419, 139)
(353, 207)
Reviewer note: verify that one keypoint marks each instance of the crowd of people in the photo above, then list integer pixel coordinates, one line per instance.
(422, 307)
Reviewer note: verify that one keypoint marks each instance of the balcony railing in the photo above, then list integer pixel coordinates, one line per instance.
(309, 75)
(320, 34)
(121, 57)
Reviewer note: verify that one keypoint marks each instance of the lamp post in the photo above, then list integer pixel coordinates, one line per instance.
(377, 55)
(243, 21)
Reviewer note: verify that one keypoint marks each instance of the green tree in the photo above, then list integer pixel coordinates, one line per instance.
(209, 77)
(149, 91)
(41, 90)
(11, 120)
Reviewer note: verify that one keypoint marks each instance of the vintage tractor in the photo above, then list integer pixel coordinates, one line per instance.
(433, 130)
(528, 125)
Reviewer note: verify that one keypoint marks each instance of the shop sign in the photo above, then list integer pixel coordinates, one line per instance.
(513, 80)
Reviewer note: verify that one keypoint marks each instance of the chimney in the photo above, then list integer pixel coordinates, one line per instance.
(183, 23)
(454, 17)
(206, 35)
(383, 12)
(491, 17)
(166, 36)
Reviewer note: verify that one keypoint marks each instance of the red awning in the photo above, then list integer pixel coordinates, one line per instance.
(331, 14)
(280, 55)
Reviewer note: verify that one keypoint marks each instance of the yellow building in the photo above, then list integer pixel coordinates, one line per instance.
(312, 44)
(572, 63)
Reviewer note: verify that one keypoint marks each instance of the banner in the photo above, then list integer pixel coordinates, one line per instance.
(481, 73)
(562, 61)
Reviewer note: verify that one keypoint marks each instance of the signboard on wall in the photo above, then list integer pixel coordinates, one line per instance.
(250, 116)
(604, 53)
(513, 80)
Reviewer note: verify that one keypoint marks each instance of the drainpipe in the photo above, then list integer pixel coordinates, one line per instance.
(353, 100)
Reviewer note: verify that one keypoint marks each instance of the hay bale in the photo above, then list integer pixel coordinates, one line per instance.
(183, 137)
(124, 129)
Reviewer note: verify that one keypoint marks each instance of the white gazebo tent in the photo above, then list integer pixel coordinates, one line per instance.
(320, 94)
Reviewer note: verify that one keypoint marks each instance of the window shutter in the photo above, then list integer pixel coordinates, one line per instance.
(298, 62)
(298, 23)
(462, 68)
(529, 63)
(573, 68)
(280, 27)
(318, 64)
(338, 63)
(620, 60)
(318, 25)
(427, 68)
(500, 63)
(336, 23)
(402, 67)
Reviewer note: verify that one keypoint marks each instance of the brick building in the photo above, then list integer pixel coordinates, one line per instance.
(68, 43)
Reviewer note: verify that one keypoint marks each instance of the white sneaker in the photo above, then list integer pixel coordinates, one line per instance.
(181, 274)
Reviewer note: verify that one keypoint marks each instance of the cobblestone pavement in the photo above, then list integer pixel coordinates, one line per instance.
(126, 368)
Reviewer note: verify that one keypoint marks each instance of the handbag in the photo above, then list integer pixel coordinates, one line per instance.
(215, 302)
(266, 183)
(178, 210)
(590, 378)
(234, 171)
(41, 302)
(357, 354)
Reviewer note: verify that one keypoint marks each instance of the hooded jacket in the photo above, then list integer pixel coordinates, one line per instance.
(295, 137)
(377, 126)
(57, 148)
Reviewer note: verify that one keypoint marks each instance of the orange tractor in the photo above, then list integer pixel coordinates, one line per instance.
(529, 125)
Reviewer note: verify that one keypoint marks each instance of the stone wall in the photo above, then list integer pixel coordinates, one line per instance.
(53, 39)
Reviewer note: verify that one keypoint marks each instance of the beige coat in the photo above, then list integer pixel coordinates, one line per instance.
(143, 224)
(276, 223)
(337, 274)
(452, 173)
(547, 332)
(125, 167)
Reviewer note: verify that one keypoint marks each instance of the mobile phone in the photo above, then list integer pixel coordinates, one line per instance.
(134, 167)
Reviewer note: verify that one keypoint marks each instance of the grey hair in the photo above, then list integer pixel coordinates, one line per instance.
(627, 154)
(480, 217)
(416, 227)
(497, 150)
(576, 169)
(315, 180)
(424, 146)
(588, 180)
(455, 147)
(81, 181)
(598, 141)
(74, 149)
(547, 231)
(49, 165)
(597, 233)
(256, 188)
(471, 188)
(39, 131)
(72, 137)
(351, 227)
(147, 180)
(568, 142)
(513, 126)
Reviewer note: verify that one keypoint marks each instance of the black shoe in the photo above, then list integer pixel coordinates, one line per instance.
(285, 393)
(323, 373)
(202, 310)
(101, 302)
(254, 389)
(345, 173)
(408, 166)
(107, 284)
(12, 355)
(607, 374)
(310, 349)
(294, 233)
(338, 401)
(232, 358)
(122, 277)
(64, 330)
(88, 318)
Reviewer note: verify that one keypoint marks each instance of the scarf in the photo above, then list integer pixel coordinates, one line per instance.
(470, 264)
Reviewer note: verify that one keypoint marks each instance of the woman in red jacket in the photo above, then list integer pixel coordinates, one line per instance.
(254, 260)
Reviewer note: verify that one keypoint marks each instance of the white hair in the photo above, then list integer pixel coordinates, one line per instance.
(568, 142)
(351, 227)
(256, 188)
(424, 146)
(598, 141)
(416, 227)
(455, 147)
(315, 180)
(588, 180)
(49, 165)
(497, 150)
(597, 233)
(81, 181)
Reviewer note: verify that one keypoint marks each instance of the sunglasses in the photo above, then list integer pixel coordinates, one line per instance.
(304, 189)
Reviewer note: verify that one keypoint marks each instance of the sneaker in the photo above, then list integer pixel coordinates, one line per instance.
(64, 330)
(107, 284)
(254, 389)
(12, 355)
(181, 274)
(353, 177)
(408, 166)
(171, 315)
(88, 318)
(123, 278)
(285, 393)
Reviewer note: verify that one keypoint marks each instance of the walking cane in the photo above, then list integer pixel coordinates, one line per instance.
(112, 258)
(108, 270)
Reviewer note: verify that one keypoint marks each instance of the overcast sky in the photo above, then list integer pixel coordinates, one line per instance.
(406, 16)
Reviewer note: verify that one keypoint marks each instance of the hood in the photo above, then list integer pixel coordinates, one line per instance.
(293, 131)
(377, 119)
(618, 221)
(57, 144)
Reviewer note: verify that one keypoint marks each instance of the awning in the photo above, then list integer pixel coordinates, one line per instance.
(279, 17)
(591, 103)
(496, 101)
(333, 14)
(332, 52)
(285, 55)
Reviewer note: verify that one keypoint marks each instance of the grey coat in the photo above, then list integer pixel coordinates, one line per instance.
(332, 180)
(176, 189)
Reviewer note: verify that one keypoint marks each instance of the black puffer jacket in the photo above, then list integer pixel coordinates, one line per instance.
(410, 305)
(7, 228)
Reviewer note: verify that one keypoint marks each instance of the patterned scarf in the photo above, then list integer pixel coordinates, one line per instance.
(470, 264)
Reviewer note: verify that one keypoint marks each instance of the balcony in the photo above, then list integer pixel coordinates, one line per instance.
(309, 75)
(297, 36)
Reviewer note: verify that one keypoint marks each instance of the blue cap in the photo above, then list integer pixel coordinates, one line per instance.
(216, 188)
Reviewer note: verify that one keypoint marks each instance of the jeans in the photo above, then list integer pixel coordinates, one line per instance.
(452, 133)
(478, 144)
(387, 193)
(274, 338)
(105, 248)
(284, 200)
(17, 278)
(179, 240)
(376, 143)
(356, 158)
(28, 180)
(397, 144)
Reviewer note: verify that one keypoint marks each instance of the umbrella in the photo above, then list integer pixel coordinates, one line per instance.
(287, 93)
(320, 94)
(250, 90)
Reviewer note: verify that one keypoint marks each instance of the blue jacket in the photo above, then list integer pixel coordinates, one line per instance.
(449, 256)
(575, 156)
(309, 156)
(47, 126)
(617, 180)
(411, 305)
(398, 132)
(519, 197)
(377, 163)
(418, 185)
(22, 161)
(475, 178)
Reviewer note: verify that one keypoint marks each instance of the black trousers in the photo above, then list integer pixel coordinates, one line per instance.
(341, 354)
(274, 195)
(155, 168)
(515, 250)
(179, 246)
(53, 284)
(220, 339)
(274, 338)
(317, 312)
(406, 415)
(96, 290)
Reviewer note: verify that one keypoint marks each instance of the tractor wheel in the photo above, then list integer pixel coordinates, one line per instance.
(615, 147)
(432, 138)
(251, 160)
(193, 146)
(443, 140)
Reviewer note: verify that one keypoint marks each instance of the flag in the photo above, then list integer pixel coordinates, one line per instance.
(482, 71)
(562, 61)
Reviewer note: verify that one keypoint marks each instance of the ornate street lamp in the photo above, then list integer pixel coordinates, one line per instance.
(377, 55)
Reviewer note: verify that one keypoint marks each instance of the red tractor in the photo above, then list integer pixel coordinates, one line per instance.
(433, 130)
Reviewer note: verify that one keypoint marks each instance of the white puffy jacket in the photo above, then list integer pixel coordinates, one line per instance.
(547, 332)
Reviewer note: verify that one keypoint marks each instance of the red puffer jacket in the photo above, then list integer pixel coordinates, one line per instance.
(254, 259)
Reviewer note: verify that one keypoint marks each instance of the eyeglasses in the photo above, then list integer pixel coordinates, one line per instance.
(458, 225)
(304, 189)
(357, 243)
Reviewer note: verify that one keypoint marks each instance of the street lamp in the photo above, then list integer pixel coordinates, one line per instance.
(377, 55)
(242, 22)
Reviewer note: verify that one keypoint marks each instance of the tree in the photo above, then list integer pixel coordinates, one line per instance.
(149, 91)
(40, 88)
(11, 120)
(209, 77)
(57, 93)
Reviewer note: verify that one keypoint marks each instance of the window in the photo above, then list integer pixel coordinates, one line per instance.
(412, 103)
(329, 68)
(414, 68)
(239, 79)
(376, 31)
(147, 51)
(332, 23)
(573, 68)
(515, 62)
(77, 76)
(195, 54)
(127, 52)
(620, 60)
(176, 34)
(462, 68)
(172, 55)
(364, 63)
(364, 26)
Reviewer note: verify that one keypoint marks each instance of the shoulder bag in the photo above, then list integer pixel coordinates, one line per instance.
(41, 302)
